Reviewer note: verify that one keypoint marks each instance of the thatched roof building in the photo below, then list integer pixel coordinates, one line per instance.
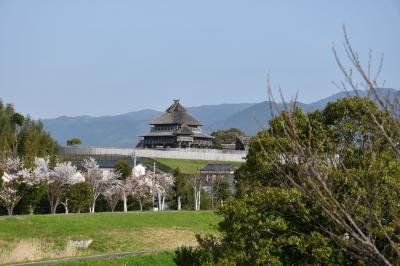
(176, 127)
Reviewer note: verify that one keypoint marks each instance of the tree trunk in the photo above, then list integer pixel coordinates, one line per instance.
(93, 207)
(198, 205)
(140, 204)
(54, 201)
(163, 201)
(125, 203)
(10, 210)
(53, 207)
(65, 206)
(179, 203)
(197, 200)
(159, 201)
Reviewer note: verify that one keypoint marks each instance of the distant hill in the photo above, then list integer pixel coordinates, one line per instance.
(108, 131)
(124, 130)
(250, 120)
(210, 114)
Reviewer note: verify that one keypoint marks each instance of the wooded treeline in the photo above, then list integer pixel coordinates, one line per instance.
(23, 137)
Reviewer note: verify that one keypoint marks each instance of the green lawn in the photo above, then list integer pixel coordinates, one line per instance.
(161, 259)
(39, 237)
(189, 166)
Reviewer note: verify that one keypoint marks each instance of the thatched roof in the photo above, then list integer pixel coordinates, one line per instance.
(176, 114)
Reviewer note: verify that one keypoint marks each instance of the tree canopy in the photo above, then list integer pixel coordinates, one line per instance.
(124, 168)
(226, 136)
(74, 141)
(21, 136)
(317, 188)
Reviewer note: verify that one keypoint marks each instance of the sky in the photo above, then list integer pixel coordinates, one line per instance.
(98, 57)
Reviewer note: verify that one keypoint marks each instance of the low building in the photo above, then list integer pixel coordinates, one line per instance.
(139, 170)
(107, 166)
(176, 128)
(214, 173)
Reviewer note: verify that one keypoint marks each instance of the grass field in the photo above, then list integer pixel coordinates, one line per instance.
(40, 237)
(189, 166)
(161, 259)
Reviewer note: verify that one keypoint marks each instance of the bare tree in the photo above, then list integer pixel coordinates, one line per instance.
(159, 185)
(215, 186)
(311, 168)
(369, 80)
(196, 181)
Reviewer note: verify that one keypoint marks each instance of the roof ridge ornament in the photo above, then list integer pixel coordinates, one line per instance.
(176, 107)
(176, 114)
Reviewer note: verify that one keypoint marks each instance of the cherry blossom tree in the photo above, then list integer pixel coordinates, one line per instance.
(126, 189)
(63, 175)
(41, 173)
(15, 185)
(94, 177)
(159, 185)
(41, 170)
(76, 178)
(140, 189)
(113, 189)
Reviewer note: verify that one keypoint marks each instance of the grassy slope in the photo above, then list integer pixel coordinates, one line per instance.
(189, 166)
(161, 259)
(110, 232)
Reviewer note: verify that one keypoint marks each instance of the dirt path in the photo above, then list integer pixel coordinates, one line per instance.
(92, 257)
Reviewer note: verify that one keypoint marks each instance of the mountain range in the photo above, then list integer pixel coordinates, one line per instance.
(124, 130)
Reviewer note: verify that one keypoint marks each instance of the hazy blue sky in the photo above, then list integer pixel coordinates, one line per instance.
(96, 57)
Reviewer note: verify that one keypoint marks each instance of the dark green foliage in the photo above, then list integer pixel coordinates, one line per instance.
(183, 189)
(124, 168)
(270, 222)
(35, 142)
(270, 227)
(29, 204)
(23, 137)
(18, 119)
(226, 136)
(79, 196)
(74, 141)
(223, 192)
(205, 201)
(8, 130)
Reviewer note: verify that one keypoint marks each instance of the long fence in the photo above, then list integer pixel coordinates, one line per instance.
(177, 153)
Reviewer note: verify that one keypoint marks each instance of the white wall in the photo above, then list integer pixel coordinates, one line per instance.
(192, 154)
